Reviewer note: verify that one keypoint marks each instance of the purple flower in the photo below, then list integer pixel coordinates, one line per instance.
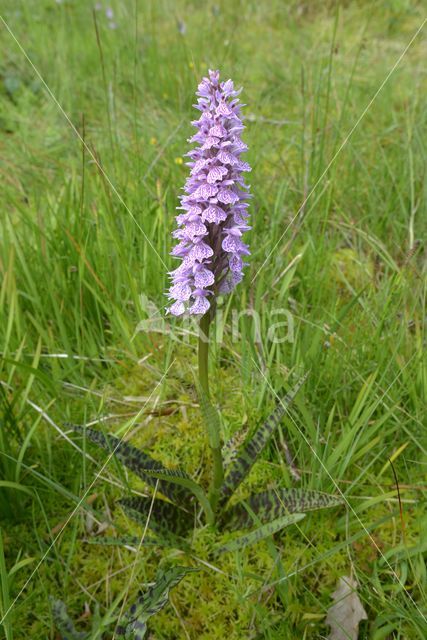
(214, 208)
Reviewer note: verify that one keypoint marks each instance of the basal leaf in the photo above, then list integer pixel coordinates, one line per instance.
(134, 623)
(63, 622)
(176, 476)
(163, 517)
(138, 462)
(231, 448)
(251, 449)
(264, 531)
(275, 503)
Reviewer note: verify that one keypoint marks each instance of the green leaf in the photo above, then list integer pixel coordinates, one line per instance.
(8, 484)
(231, 448)
(162, 517)
(138, 462)
(275, 503)
(211, 418)
(64, 623)
(264, 531)
(251, 450)
(183, 480)
(134, 624)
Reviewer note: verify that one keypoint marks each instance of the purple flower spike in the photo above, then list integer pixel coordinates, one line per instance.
(214, 208)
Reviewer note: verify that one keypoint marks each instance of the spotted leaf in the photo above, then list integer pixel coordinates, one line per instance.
(264, 531)
(160, 516)
(269, 505)
(252, 448)
(133, 626)
(63, 622)
(138, 462)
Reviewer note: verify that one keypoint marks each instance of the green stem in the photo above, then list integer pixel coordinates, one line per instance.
(205, 323)
(214, 438)
(217, 477)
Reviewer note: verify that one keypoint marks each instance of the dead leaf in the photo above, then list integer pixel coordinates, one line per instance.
(103, 526)
(89, 522)
(345, 615)
(86, 613)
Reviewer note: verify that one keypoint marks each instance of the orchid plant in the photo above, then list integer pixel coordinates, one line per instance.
(212, 219)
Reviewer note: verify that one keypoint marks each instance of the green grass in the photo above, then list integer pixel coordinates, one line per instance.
(82, 247)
